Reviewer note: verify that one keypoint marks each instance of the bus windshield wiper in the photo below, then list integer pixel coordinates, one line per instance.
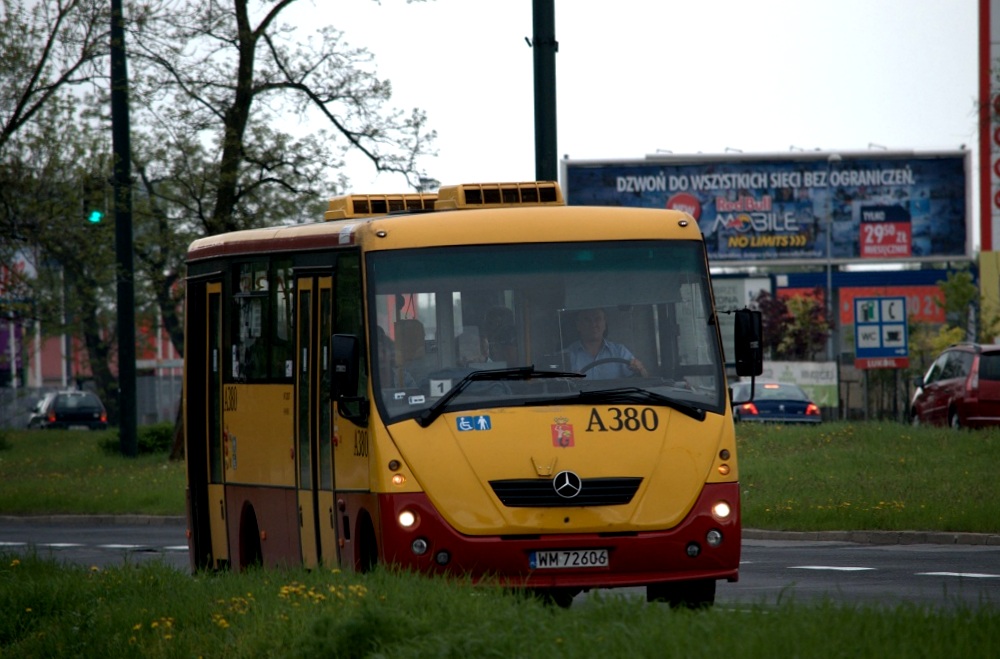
(428, 416)
(635, 394)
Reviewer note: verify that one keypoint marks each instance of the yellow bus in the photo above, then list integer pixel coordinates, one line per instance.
(484, 381)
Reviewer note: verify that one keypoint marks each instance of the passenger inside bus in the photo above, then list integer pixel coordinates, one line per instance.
(494, 340)
(503, 345)
(390, 362)
(597, 357)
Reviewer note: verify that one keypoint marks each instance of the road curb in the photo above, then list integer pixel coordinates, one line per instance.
(95, 520)
(878, 537)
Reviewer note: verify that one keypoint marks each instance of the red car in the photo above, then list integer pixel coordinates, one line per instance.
(960, 389)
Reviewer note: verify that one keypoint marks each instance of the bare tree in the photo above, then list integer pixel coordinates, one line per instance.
(47, 47)
(214, 83)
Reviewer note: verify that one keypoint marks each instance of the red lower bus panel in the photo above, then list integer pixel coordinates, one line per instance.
(633, 558)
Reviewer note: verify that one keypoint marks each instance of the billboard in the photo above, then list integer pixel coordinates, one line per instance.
(798, 208)
(989, 124)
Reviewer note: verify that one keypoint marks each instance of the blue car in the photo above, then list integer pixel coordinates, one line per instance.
(774, 402)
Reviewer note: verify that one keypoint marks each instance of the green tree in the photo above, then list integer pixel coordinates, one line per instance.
(795, 328)
(961, 299)
(52, 53)
(44, 178)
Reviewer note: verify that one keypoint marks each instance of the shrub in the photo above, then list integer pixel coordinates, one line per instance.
(157, 438)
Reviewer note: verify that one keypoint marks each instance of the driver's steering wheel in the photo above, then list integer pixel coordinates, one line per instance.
(606, 360)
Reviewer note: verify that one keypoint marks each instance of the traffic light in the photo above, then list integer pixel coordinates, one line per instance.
(95, 199)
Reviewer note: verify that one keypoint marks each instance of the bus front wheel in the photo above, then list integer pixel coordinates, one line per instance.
(690, 594)
(367, 557)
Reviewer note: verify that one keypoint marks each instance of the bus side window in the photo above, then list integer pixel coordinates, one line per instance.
(349, 320)
(248, 340)
(283, 306)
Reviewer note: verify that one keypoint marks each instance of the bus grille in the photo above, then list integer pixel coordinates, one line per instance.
(536, 493)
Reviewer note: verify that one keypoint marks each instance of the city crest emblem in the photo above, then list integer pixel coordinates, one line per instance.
(562, 433)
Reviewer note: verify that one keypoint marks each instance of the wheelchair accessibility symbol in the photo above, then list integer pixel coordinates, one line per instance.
(481, 422)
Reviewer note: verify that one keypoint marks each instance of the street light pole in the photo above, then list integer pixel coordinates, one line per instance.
(830, 348)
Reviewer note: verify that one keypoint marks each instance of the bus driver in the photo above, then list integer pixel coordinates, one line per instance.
(592, 326)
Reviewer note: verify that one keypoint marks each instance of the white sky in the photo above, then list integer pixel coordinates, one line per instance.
(637, 76)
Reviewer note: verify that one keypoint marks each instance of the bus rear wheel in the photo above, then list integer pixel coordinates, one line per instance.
(250, 552)
(689, 594)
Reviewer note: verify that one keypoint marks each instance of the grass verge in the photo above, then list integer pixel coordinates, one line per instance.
(69, 471)
(868, 476)
(836, 476)
(151, 610)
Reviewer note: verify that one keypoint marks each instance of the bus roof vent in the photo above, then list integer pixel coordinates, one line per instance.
(495, 195)
(367, 205)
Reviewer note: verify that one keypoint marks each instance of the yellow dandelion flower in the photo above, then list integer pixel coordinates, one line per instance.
(137, 626)
(15, 563)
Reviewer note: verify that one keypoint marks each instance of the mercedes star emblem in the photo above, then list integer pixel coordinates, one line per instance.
(567, 484)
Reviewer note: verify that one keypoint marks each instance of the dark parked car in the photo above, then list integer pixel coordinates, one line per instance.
(960, 389)
(774, 402)
(69, 409)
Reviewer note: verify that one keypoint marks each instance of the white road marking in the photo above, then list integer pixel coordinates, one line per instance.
(969, 575)
(835, 568)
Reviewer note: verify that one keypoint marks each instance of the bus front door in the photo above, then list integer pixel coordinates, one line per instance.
(314, 449)
(215, 434)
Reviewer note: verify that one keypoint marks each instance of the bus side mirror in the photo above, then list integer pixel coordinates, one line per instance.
(345, 364)
(749, 342)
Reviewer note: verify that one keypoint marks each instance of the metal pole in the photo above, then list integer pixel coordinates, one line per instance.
(123, 235)
(831, 341)
(12, 344)
(545, 46)
(829, 280)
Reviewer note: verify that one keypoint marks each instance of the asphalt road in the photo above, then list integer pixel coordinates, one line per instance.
(863, 568)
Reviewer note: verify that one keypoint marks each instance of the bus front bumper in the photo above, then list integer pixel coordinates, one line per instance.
(700, 547)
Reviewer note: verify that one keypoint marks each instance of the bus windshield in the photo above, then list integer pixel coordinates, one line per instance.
(615, 321)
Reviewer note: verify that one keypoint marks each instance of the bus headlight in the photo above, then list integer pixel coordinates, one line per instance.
(721, 510)
(419, 546)
(713, 538)
(407, 519)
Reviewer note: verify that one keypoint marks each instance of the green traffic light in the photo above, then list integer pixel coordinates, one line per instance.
(95, 216)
